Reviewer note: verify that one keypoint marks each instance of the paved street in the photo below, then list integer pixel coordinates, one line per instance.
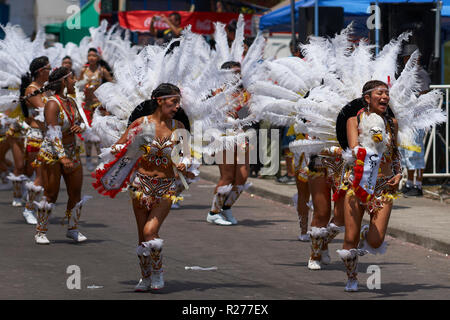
(258, 259)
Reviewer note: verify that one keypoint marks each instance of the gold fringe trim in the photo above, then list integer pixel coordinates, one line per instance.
(34, 143)
(68, 216)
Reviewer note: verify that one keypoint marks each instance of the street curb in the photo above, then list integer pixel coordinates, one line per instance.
(426, 242)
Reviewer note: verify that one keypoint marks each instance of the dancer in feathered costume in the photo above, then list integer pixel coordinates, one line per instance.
(234, 163)
(147, 156)
(24, 73)
(33, 100)
(351, 70)
(301, 93)
(103, 48)
(60, 156)
(388, 117)
(5, 165)
(91, 77)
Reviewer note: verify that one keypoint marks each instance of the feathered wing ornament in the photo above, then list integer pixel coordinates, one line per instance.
(136, 79)
(305, 93)
(110, 44)
(332, 74)
(16, 53)
(413, 111)
(228, 130)
(113, 176)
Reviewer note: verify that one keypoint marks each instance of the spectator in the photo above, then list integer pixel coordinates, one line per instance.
(247, 43)
(413, 157)
(219, 7)
(295, 49)
(174, 30)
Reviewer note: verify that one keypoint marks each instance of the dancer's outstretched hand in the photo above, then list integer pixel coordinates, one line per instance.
(395, 181)
(67, 164)
(181, 167)
(76, 129)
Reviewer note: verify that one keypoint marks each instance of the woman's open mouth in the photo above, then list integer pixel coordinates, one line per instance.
(383, 104)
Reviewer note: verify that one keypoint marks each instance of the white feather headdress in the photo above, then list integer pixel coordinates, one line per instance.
(189, 66)
(333, 73)
(16, 53)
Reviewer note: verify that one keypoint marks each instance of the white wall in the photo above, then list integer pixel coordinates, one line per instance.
(277, 46)
(21, 12)
(30, 14)
(51, 11)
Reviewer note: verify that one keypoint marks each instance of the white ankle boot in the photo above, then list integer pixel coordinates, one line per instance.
(29, 216)
(156, 261)
(318, 236)
(41, 238)
(350, 259)
(17, 183)
(145, 282)
(32, 195)
(228, 214)
(44, 209)
(73, 217)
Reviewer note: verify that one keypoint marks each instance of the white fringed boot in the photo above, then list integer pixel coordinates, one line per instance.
(216, 207)
(231, 199)
(143, 253)
(303, 223)
(318, 236)
(32, 196)
(73, 217)
(44, 209)
(333, 231)
(17, 182)
(156, 262)
(350, 259)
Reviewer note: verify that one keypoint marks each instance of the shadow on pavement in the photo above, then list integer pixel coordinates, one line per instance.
(178, 286)
(259, 223)
(305, 243)
(388, 290)
(69, 241)
(338, 265)
(247, 223)
(397, 207)
(192, 207)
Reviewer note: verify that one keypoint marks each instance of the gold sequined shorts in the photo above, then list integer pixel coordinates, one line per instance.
(47, 155)
(150, 190)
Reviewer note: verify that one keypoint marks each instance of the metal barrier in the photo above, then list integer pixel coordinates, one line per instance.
(432, 137)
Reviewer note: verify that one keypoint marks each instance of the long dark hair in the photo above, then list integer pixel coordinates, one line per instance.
(54, 84)
(26, 79)
(102, 62)
(148, 107)
(55, 78)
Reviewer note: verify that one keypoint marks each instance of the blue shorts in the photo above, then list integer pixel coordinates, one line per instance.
(286, 139)
(414, 160)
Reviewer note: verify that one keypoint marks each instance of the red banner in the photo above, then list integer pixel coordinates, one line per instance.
(201, 22)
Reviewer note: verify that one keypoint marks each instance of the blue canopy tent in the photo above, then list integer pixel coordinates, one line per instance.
(280, 20)
(354, 10)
